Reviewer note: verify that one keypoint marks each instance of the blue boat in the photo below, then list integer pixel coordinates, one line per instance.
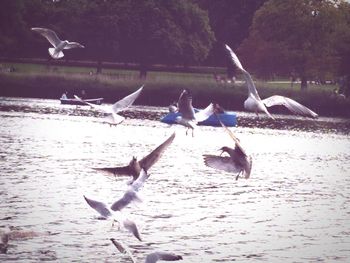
(228, 118)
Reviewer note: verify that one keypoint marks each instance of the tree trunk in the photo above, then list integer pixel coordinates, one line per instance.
(143, 71)
(303, 84)
(99, 67)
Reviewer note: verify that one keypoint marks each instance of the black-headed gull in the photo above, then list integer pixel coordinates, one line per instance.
(59, 45)
(135, 166)
(189, 118)
(112, 110)
(255, 104)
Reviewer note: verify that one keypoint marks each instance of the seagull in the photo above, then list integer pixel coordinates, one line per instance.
(151, 258)
(189, 118)
(112, 110)
(58, 44)
(135, 166)
(238, 161)
(114, 211)
(255, 104)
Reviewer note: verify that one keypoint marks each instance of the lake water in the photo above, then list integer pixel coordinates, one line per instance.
(294, 208)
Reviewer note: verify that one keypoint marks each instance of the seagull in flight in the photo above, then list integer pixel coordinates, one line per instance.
(59, 45)
(189, 118)
(112, 110)
(237, 161)
(114, 211)
(135, 166)
(255, 104)
(150, 258)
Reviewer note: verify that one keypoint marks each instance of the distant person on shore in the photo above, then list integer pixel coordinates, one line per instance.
(64, 96)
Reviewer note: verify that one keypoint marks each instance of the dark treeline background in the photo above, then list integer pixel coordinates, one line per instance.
(309, 39)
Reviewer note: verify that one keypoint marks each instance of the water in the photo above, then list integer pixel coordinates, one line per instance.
(294, 208)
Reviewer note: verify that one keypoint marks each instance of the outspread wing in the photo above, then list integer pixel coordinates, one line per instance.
(131, 226)
(248, 78)
(128, 197)
(123, 249)
(185, 105)
(126, 101)
(100, 207)
(139, 182)
(95, 106)
(73, 45)
(48, 34)
(205, 113)
(291, 105)
(122, 170)
(223, 163)
(147, 161)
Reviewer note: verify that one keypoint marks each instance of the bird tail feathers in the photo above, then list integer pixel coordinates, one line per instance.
(55, 54)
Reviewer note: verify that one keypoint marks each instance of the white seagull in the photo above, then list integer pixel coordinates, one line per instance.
(59, 45)
(112, 110)
(189, 118)
(150, 258)
(255, 104)
(238, 161)
(135, 166)
(114, 211)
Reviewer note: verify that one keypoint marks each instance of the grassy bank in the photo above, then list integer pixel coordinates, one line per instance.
(161, 88)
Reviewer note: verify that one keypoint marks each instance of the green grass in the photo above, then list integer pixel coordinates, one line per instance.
(34, 80)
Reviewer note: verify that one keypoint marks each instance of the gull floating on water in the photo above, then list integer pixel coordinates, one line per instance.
(58, 44)
(135, 166)
(150, 258)
(113, 110)
(114, 211)
(255, 104)
(189, 118)
(237, 162)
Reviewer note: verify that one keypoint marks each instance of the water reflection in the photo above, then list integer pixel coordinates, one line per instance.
(295, 207)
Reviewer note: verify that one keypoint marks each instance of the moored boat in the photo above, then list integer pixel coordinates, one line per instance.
(97, 101)
(228, 118)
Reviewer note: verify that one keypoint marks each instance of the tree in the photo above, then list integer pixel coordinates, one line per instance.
(298, 33)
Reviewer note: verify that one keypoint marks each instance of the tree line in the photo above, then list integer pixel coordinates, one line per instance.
(306, 39)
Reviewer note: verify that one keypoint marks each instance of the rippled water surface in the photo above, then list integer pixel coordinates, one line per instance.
(294, 208)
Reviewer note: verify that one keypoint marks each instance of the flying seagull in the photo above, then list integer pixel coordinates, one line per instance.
(135, 166)
(112, 110)
(238, 161)
(114, 211)
(189, 118)
(59, 45)
(151, 258)
(255, 104)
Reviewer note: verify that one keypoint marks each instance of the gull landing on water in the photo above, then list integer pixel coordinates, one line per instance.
(189, 118)
(135, 166)
(150, 258)
(114, 118)
(58, 44)
(255, 104)
(238, 161)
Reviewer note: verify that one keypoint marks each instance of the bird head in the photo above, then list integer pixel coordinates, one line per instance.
(224, 149)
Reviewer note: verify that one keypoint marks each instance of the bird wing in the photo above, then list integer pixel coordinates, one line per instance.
(221, 163)
(98, 107)
(123, 249)
(128, 197)
(248, 78)
(121, 170)
(291, 105)
(150, 159)
(155, 256)
(126, 101)
(139, 182)
(100, 207)
(73, 45)
(131, 226)
(185, 105)
(49, 35)
(205, 113)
